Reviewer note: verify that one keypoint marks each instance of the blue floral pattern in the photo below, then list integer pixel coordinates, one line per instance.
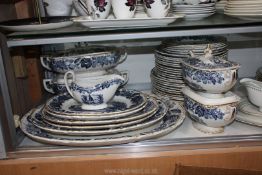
(201, 111)
(136, 99)
(78, 63)
(203, 76)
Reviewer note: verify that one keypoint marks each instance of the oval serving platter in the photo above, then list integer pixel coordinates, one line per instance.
(173, 119)
(149, 110)
(37, 120)
(125, 102)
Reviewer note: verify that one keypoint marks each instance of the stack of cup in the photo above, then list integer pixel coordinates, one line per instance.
(126, 9)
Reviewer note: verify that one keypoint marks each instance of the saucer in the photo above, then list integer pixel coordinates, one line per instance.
(125, 102)
(246, 107)
(249, 119)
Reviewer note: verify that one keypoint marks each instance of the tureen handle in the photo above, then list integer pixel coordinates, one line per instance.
(123, 55)
(45, 62)
(124, 74)
(66, 81)
(49, 88)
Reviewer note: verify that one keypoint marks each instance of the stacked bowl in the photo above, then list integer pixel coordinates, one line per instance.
(167, 78)
(249, 10)
(195, 10)
(91, 61)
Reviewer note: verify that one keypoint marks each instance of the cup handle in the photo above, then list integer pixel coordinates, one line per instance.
(48, 88)
(125, 75)
(123, 55)
(45, 62)
(66, 81)
(168, 3)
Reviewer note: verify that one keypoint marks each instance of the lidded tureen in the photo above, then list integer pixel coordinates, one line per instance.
(210, 115)
(209, 74)
(208, 103)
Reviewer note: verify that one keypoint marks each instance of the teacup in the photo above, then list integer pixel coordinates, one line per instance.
(58, 8)
(99, 9)
(157, 8)
(93, 92)
(124, 9)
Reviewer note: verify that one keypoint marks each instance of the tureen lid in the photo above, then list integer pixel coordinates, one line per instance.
(201, 98)
(207, 61)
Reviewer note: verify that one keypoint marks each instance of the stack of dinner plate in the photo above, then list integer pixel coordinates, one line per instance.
(248, 10)
(166, 76)
(220, 5)
(195, 12)
(129, 117)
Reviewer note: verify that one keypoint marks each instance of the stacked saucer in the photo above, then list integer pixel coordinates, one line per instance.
(248, 10)
(129, 117)
(249, 113)
(167, 76)
(195, 12)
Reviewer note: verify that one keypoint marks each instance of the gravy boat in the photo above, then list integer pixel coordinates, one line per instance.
(93, 92)
(254, 91)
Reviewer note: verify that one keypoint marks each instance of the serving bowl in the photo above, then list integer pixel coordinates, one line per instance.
(57, 85)
(93, 92)
(91, 59)
(254, 91)
(208, 74)
(210, 115)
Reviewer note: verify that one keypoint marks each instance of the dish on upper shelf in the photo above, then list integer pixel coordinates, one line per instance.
(111, 22)
(32, 24)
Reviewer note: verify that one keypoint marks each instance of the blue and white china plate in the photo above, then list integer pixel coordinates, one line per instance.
(149, 110)
(173, 119)
(37, 119)
(125, 102)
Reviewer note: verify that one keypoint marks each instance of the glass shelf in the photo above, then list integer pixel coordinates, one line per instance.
(216, 24)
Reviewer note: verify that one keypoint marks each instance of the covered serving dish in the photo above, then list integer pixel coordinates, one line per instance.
(91, 58)
(210, 115)
(208, 74)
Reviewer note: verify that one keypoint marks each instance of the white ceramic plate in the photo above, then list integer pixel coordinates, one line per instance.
(124, 103)
(150, 108)
(246, 107)
(29, 25)
(249, 119)
(37, 119)
(133, 22)
(174, 118)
